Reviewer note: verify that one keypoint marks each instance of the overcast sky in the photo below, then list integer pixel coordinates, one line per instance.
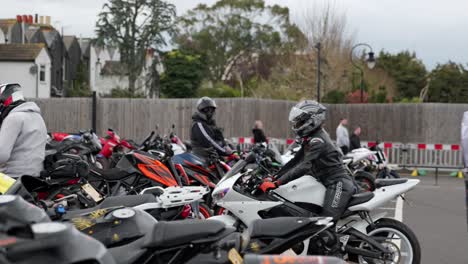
(435, 29)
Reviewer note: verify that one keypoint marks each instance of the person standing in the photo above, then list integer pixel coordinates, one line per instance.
(354, 140)
(464, 144)
(342, 136)
(259, 135)
(23, 134)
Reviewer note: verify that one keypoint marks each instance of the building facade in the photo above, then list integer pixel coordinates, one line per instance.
(26, 64)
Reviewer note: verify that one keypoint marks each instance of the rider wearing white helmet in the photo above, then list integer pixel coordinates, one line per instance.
(318, 157)
(23, 134)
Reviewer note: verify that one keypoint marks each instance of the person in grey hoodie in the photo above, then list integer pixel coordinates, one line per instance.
(342, 136)
(23, 134)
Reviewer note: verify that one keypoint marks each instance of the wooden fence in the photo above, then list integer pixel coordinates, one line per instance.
(135, 118)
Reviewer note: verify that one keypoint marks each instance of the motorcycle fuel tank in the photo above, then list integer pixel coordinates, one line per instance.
(306, 189)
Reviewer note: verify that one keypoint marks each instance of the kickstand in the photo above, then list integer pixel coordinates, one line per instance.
(408, 202)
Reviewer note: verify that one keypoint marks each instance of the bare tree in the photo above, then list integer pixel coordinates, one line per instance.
(326, 24)
(295, 75)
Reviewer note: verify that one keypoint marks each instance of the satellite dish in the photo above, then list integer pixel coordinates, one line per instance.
(33, 69)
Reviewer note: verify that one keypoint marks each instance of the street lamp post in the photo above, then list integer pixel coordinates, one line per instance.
(370, 64)
(318, 46)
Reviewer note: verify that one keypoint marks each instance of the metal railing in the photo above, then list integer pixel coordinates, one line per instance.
(407, 156)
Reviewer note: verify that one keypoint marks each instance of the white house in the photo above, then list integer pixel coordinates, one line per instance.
(29, 65)
(98, 56)
(2, 37)
(114, 74)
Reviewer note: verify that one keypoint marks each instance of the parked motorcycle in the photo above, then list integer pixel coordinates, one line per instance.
(384, 171)
(113, 147)
(133, 236)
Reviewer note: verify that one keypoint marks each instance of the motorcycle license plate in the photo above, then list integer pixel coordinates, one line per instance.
(235, 257)
(89, 190)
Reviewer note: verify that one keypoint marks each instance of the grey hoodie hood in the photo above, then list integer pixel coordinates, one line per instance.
(27, 107)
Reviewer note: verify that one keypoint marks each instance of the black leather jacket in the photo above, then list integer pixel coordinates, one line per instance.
(317, 157)
(206, 136)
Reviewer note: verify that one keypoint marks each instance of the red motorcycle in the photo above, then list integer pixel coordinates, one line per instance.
(113, 148)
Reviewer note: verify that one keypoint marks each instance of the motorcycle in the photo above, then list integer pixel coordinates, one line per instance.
(133, 236)
(86, 144)
(384, 170)
(139, 169)
(360, 233)
(113, 147)
(168, 201)
(354, 162)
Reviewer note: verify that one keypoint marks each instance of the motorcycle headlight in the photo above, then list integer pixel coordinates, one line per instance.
(219, 195)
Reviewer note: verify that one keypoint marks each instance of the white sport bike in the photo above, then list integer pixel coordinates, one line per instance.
(355, 162)
(364, 237)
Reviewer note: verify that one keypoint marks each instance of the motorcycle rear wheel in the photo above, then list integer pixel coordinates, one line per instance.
(204, 211)
(399, 238)
(365, 180)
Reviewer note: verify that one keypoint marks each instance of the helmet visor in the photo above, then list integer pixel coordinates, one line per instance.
(298, 117)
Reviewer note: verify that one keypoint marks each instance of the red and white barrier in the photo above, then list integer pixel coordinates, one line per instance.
(449, 155)
(385, 145)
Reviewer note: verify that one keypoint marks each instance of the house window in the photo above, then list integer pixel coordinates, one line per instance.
(42, 73)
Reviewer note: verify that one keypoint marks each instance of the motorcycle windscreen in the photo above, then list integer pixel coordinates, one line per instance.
(464, 143)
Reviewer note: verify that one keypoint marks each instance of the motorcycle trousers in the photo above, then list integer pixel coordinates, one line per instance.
(337, 197)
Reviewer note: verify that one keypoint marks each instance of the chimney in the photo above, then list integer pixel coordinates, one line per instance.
(24, 20)
(30, 19)
(36, 19)
(19, 19)
(47, 20)
(41, 20)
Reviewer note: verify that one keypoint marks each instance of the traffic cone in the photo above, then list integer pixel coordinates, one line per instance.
(415, 173)
(460, 175)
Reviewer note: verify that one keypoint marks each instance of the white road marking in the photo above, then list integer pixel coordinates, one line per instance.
(399, 209)
(386, 208)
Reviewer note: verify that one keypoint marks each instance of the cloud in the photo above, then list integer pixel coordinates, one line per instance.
(434, 29)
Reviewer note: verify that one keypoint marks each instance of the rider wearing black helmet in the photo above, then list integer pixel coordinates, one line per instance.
(205, 134)
(318, 157)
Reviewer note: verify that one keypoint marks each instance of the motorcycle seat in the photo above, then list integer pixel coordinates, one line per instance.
(126, 201)
(388, 182)
(169, 234)
(111, 174)
(278, 226)
(360, 198)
